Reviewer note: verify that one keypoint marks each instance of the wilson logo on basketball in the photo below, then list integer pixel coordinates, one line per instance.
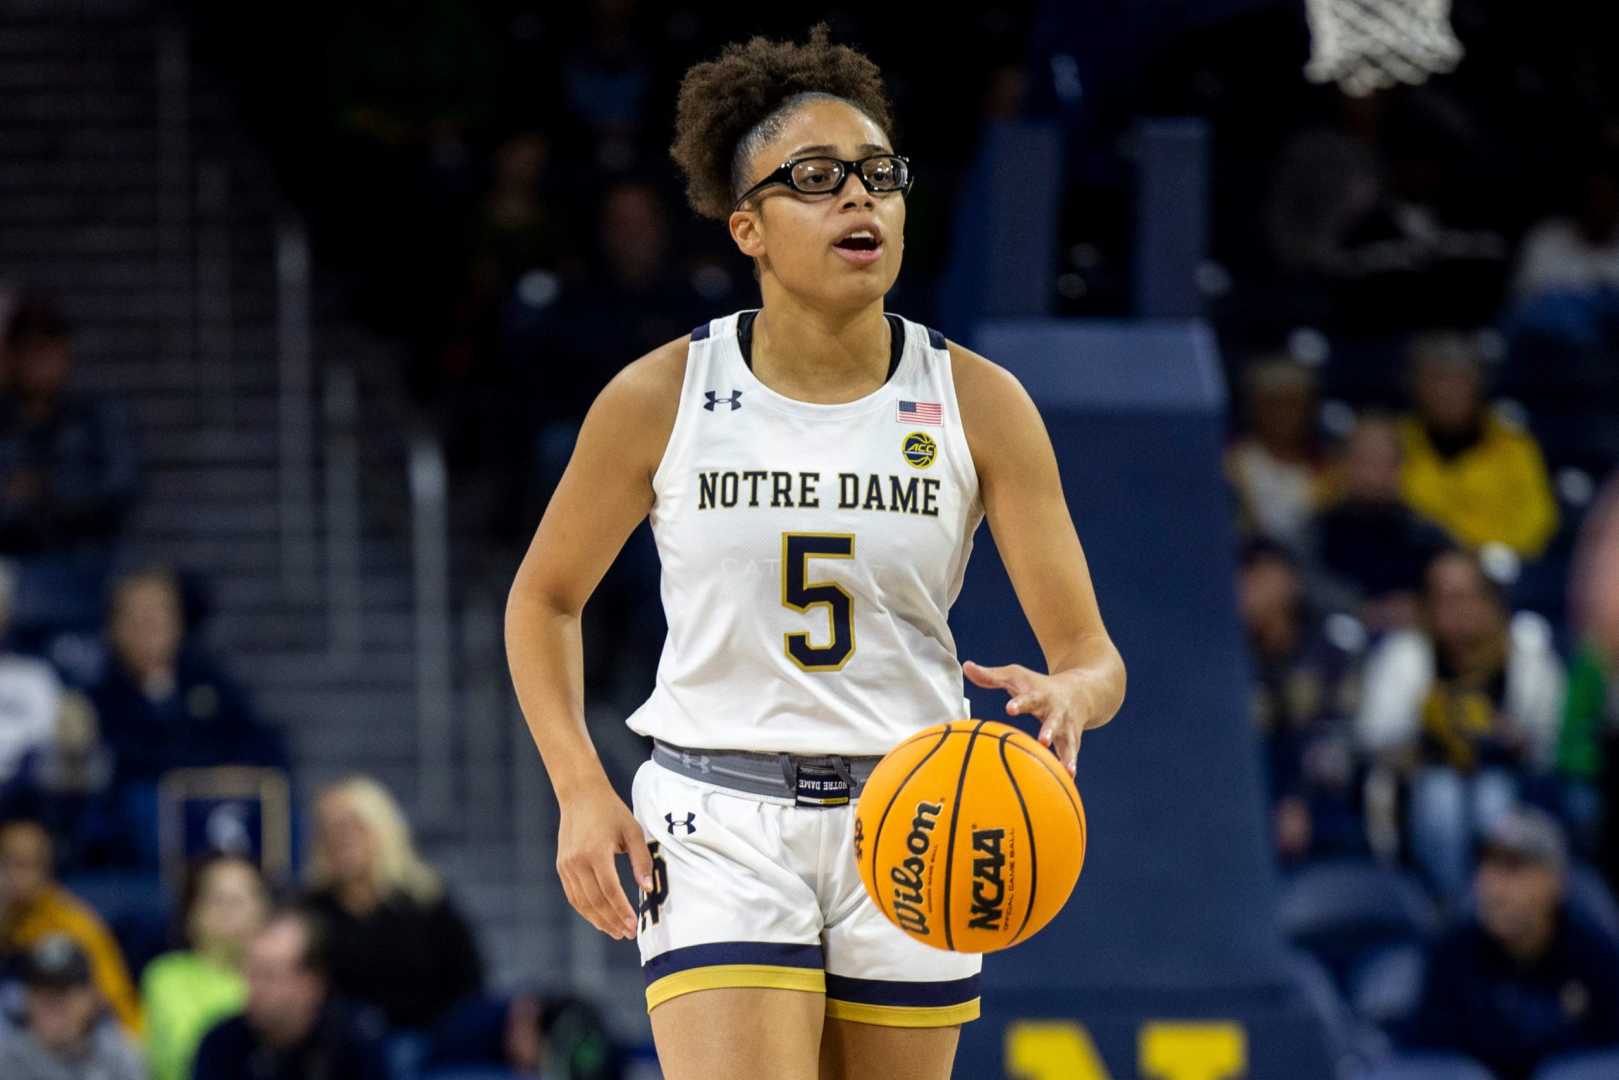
(989, 886)
(908, 879)
(952, 825)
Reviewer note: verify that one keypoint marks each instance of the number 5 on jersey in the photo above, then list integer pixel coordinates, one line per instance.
(801, 594)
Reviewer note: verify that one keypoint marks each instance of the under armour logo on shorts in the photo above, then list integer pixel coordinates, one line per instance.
(690, 824)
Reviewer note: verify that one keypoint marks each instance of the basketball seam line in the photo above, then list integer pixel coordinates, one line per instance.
(1028, 833)
(876, 838)
(950, 844)
(1078, 813)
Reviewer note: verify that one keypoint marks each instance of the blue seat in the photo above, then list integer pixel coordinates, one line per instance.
(1588, 895)
(1321, 994)
(135, 907)
(1386, 986)
(1427, 1067)
(474, 1072)
(1339, 910)
(1597, 1065)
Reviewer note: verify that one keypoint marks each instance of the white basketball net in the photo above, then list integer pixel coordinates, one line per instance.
(1368, 45)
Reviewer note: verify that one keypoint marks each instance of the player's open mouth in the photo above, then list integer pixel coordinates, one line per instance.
(860, 248)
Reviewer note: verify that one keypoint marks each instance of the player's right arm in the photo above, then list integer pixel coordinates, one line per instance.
(604, 493)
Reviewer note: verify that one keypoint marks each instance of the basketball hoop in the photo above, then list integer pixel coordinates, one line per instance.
(1370, 45)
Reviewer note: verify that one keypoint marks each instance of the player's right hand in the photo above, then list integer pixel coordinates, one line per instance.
(596, 828)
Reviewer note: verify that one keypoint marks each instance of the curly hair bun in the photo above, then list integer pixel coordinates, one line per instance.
(728, 100)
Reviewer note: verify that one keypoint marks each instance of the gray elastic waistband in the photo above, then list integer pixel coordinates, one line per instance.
(760, 774)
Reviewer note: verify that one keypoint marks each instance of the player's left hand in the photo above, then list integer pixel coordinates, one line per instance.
(1057, 701)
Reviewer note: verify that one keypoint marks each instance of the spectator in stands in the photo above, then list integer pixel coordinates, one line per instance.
(1468, 705)
(637, 296)
(1588, 750)
(1302, 698)
(31, 697)
(185, 993)
(1370, 546)
(607, 80)
(68, 469)
(292, 1027)
(397, 941)
(1466, 467)
(1275, 467)
(33, 907)
(1577, 254)
(531, 1034)
(53, 765)
(1524, 978)
(166, 705)
(1367, 208)
(521, 259)
(67, 1033)
(63, 785)
(516, 231)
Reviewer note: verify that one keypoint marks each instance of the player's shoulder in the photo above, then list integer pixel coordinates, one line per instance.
(652, 378)
(983, 387)
(634, 414)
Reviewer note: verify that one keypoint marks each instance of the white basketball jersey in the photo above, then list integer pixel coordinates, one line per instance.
(810, 556)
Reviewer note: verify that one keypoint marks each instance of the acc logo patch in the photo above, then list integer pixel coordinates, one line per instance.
(919, 449)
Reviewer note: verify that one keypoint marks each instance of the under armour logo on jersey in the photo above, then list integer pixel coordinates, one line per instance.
(734, 401)
(690, 824)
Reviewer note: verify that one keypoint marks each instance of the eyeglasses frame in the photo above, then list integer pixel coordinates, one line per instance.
(784, 175)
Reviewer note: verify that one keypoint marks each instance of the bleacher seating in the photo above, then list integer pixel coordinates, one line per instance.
(1342, 910)
(1592, 1066)
(1427, 1067)
(1385, 986)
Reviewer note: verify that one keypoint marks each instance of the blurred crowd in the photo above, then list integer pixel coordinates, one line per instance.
(1417, 297)
(1426, 482)
(130, 949)
(363, 970)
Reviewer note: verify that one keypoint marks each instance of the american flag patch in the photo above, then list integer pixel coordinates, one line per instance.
(921, 412)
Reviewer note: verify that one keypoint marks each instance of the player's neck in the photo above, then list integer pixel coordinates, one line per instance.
(819, 356)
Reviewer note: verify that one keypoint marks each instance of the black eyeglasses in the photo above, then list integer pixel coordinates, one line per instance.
(819, 175)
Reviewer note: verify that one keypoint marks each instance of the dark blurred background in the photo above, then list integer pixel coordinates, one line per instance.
(302, 306)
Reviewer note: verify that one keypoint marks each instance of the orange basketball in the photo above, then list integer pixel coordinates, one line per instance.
(969, 836)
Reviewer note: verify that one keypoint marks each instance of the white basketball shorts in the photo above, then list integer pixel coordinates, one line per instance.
(755, 891)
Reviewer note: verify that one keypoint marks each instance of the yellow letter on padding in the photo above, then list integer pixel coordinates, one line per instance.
(1207, 1051)
(1052, 1050)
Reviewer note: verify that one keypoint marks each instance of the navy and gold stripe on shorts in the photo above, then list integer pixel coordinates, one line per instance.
(902, 1004)
(767, 965)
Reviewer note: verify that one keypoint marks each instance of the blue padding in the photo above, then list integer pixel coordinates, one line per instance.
(1113, 367)
(1177, 862)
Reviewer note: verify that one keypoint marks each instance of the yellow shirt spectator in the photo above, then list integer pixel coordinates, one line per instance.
(1494, 490)
(54, 910)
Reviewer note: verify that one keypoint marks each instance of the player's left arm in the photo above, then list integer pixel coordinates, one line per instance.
(1028, 517)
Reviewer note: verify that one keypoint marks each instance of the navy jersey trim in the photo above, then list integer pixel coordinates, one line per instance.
(935, 338)
(700, 332)
(910, 994)
(896, 340)
(774, 953)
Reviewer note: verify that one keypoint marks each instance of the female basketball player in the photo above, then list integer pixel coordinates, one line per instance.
(814, 471)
